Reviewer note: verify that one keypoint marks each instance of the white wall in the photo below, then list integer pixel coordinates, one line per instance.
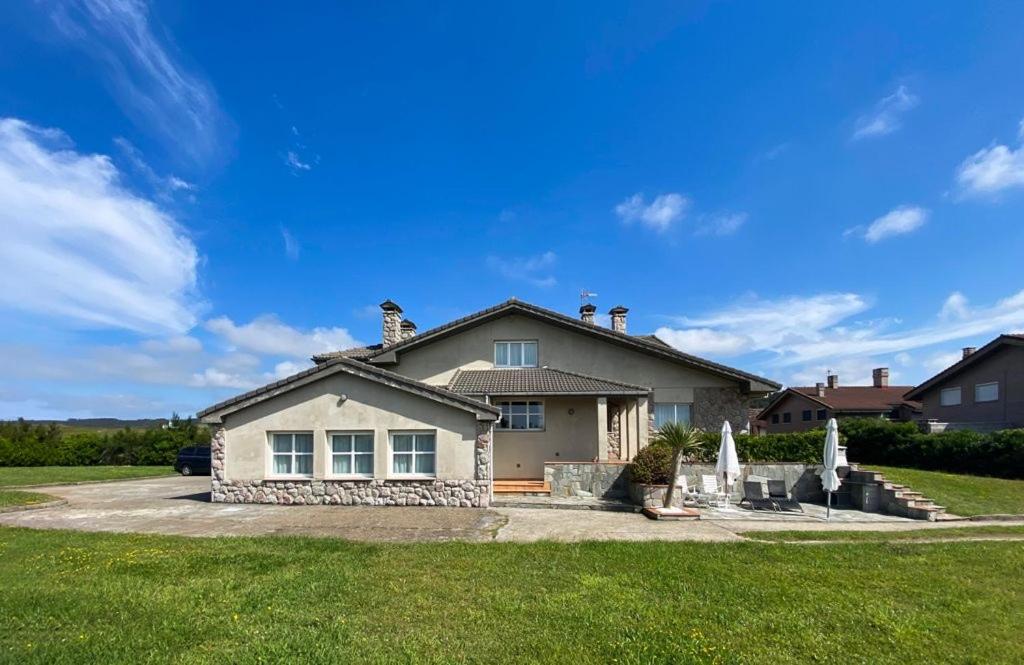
(566, 437)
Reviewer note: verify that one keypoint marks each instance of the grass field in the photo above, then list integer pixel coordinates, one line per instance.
(995, 530)
(16, 498)
(961, 495)
(14, 476)
(165, 599)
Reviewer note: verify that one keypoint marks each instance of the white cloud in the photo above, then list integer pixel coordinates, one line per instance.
(994, 169)
(295, 162)
(291, 245)
(77, 245)
(898, 221)
(940, 361)
(164, 186)
(286, 368)
(156, 91)
(807, 335)
(532, 269)
(955, 307)
(659, 215)
(178, 344)
(268, 335)
(886, 116)
(698, 341)
(724, 224)
(212, 377)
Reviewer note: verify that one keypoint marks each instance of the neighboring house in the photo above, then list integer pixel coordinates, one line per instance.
(983, 391)
(434, 418)
(803, 408)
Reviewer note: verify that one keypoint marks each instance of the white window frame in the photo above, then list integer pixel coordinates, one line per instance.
(271, 454)
(391, 453)
(351, 455)
(959, 396)
(527, 402)
(983, 385)
(508, 354)
(675, 410)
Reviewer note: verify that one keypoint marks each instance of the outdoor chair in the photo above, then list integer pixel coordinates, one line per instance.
(688, 495)
(754, 496)
(777, 493)
(710, 493)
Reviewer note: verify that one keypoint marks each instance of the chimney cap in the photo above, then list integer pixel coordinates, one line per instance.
(390, 306)
(968, 350)
(588, 308)
(618, 309)
(407, 323)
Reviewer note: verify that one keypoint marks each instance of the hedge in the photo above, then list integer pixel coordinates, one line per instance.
(28, 444)
(873, 441)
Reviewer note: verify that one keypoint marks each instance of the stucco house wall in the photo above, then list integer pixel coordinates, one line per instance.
(566, 437)
(795, 406)
(436, 363)
(1006, 366)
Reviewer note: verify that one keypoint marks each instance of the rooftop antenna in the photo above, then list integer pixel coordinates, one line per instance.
(585, 296)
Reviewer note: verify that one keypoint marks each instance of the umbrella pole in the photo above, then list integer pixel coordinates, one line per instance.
(828, 506)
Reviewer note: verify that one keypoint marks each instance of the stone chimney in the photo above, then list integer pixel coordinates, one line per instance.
(833, 381)
(587, 313)
(392, 322)
(820, 388)
(618, 314)
(407, 329)
(880, 377)
(968, 350)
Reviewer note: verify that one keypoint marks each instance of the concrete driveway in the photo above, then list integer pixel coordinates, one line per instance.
(181, 506)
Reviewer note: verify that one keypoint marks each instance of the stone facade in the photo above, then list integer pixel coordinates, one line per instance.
(606, 480)
(712, 406)
(614, 443)
(468, 493)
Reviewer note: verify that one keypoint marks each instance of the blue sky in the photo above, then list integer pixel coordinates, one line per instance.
(197, 198)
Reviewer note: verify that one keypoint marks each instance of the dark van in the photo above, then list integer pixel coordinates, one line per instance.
(194, 460)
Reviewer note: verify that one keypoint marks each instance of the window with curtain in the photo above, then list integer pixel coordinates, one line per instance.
(986, 392)
(671, 413)
(950, 396)
(292, 453)
(515, 354)
(521, 416)
(413, 453)
(352, 454)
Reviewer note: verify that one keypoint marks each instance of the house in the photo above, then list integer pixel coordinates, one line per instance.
(803, 408)
(983, 391)
(434, 418)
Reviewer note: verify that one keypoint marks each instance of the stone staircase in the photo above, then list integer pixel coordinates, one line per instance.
(872, 493)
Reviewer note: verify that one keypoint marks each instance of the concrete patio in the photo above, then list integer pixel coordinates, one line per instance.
(180, 506)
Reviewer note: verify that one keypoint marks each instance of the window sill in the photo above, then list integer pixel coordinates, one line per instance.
(411, 476)
(288, 478)
(350, 477)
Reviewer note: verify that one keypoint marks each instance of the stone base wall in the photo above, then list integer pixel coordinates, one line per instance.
(605, 480)
(802, 480)
(455, 493)
(614, 443)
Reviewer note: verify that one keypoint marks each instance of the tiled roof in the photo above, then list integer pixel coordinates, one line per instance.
(642, 343)
(850, 399)
(349, 366)
(356, 352)
(536, 381)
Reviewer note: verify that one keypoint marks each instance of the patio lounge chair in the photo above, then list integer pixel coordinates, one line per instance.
(777, 493)
(710, 493)
(688, 495)
(754, 495)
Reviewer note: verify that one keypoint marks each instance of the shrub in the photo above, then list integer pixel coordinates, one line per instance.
(652, 465)
(875, 441)
(27, 444)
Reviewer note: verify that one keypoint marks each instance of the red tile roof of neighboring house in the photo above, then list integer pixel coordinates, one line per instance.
(850, 399)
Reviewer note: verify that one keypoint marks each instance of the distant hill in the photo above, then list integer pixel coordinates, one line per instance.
(103, 423)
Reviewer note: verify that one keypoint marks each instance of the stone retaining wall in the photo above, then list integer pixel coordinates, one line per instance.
(802, 480)
(606, 480)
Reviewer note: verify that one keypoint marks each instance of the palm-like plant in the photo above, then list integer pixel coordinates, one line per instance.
(686, 443)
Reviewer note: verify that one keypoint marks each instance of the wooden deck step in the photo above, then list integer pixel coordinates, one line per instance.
(521, 487)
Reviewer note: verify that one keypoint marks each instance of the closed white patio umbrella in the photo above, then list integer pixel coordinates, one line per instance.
(728, 465)
(829, 477)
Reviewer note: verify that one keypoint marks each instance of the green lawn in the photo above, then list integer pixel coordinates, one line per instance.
(163, 599)
(960, 494)
(16, 498)
(1011, 531)
(14, 476)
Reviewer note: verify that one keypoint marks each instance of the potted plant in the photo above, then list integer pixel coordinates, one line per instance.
(654, 469)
